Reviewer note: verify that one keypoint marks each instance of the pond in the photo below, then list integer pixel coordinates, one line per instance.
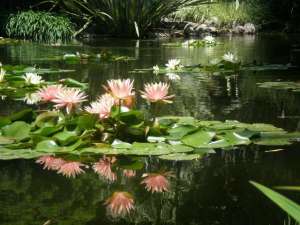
(212, 190)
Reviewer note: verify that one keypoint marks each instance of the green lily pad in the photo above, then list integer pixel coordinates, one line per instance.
(9, 154)
(180, 131)
(180, 157)
(18, 130)
(66, 137)
(198, 138)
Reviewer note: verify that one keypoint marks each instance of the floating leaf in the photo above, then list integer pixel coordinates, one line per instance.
(66, 137)
(18, 130)
(120, 144)
(180, 157)
(198, 138)
(9, 154)
(180, 131)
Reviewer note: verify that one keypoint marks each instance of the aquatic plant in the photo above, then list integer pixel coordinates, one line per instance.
(68, 98)
(115, 131)
(103, 56)
(26, 83)
(120, 89)
(156, 182)
(32, 78)
(120, 203)
(281, 85)
(173, 76)
(174, 64)
(39, 26)
(207, 41)
(71, 169)
(103, 168)
(157, 92)
(102, 106)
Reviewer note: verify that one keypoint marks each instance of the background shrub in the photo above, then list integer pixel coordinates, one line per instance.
(39, 26)
(226, 12)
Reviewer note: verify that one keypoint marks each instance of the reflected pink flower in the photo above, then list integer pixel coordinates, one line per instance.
(157, 92)
(50, 162)
(129, 173)
(103, 168)
(68, 98)
(48, 93)
(102, 106)
(155, 182)
(120, 203)
(121, 88)
(71, 169)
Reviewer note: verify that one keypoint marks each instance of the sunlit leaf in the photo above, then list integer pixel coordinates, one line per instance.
(290, 207)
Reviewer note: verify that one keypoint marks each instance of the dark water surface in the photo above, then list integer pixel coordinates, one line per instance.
(213, 190)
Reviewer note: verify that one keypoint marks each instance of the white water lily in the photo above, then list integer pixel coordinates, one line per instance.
(173, 76)
(209, 39)
(33, 78)
(66, 56)
(174, 64)
(188, 43)
(32, 98)
(2, 74)
(155, 69)
(229, 57)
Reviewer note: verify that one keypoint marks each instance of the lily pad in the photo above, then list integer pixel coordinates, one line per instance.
(180, 157)
(18, 130)
(198, 138)
(9, 154)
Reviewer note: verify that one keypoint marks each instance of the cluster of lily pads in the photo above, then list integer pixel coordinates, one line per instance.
(21, 82)
(111, 125)
(207, 41)
(280, 85)
(227, 65)
(103, 56)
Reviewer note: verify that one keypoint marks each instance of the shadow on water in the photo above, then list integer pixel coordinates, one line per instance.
(213, 190)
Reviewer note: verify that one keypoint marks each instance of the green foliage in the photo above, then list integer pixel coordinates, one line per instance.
(39, 26)
(121, 17)
(225, 13)
(290, 207)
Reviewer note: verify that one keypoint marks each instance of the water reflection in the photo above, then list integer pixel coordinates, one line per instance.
(214, 190)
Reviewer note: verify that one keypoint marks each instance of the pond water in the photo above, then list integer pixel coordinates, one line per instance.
(213, 190)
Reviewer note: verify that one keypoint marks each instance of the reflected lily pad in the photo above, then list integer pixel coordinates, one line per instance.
(281, 85)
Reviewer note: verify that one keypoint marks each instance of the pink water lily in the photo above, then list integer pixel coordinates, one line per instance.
(48, 93)
(120, 203)
(103, 168)
(129, 173)
(156, 182)
(157, 92)
(71, 169)
(102, 106)
(120, 88)
(50, 162)
(69, 98)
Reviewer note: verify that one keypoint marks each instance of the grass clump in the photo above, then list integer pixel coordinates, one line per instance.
(39, 26)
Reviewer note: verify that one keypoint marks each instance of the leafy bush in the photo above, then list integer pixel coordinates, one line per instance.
(225, 12)
(121, 17)
(39, 26)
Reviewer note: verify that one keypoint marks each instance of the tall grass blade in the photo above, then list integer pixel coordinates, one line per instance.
(290, 207)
